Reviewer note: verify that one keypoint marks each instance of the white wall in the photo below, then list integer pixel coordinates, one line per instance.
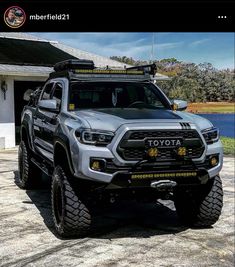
(7, 118)
(7, 131)
(7, 113)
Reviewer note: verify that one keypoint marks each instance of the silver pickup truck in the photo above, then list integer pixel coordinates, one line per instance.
(106, 135)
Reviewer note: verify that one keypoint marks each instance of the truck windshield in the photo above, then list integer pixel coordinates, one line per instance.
(90, 95)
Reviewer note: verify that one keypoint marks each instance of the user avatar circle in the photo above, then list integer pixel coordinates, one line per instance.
(14, 17)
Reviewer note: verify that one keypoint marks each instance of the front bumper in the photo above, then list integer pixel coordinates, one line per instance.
(81, 155)
(144, 179)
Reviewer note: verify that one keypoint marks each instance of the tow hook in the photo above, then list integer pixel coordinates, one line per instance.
(162, 185)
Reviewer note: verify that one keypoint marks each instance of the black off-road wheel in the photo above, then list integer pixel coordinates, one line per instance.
(70, 215)
(200, 208)
(29, 174)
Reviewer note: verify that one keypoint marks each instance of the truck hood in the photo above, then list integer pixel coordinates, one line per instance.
(201, 122)
(111, 119)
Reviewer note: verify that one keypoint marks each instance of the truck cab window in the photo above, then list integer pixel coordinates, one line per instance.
(57, 94)
(47, 91)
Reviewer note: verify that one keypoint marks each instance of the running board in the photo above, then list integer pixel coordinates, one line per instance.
(41, 166)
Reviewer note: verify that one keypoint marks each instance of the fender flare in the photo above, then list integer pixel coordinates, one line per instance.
(24, 127)
(64, 143)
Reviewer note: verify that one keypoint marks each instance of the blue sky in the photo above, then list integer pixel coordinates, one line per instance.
(216, 48)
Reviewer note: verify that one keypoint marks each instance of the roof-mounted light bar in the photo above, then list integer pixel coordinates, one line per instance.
(108, 71)
(83, 69)
(72, 64)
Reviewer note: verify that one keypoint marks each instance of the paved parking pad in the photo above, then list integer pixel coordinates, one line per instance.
(129, 234)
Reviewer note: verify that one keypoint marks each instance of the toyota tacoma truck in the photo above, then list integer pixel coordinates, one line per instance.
(109, 135)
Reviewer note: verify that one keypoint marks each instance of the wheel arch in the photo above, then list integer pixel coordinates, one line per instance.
(62, 156)
(24, 135)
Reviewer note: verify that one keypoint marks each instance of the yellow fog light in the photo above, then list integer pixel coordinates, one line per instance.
(213, 161)
(98, 164)
(182, 151)
(95, 165)
(153, 152)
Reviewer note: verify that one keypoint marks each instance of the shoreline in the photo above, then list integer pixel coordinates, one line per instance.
(211, 108)
(210, 112)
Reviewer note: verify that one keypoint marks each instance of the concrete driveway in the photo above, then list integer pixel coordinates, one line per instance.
(129, 235)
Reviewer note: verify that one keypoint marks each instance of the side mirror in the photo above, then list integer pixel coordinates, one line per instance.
(179, 104)
(49, 104)
(27, 95)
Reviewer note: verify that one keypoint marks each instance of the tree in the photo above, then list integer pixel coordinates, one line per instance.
(189, 81)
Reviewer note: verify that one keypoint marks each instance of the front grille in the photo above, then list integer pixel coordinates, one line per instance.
(138, 135)
(132, 146)
(138, 154)
(133, 153)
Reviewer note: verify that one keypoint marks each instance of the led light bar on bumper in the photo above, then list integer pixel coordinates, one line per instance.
(95, 137)
(211, 135)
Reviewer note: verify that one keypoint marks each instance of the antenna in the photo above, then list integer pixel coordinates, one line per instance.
(152, 50)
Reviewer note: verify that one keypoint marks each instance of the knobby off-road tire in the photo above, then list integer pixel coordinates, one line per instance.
(200, 209)
(29, 174)
(71, 217)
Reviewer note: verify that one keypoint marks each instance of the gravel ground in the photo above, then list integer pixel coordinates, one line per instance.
(127, 235)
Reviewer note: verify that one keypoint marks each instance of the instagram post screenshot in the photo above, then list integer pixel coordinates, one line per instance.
(117, 133)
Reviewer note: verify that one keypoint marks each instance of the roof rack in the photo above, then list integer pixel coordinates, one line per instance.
(81, 69)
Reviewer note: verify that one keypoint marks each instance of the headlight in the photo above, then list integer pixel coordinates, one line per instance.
(93, 137)
(211, 135)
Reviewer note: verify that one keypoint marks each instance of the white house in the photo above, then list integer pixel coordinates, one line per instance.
(25, 62)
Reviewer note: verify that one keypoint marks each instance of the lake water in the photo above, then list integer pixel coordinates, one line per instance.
(225, 123)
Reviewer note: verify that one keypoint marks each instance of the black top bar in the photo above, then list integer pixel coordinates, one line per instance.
(71, 64)
(150, 68)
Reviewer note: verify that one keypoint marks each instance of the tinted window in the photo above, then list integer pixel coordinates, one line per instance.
(57, 94)
(115, 95)
(47, 91)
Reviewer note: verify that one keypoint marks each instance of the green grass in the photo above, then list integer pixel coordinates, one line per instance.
(229, 145)
(212, 107)
(228, 109)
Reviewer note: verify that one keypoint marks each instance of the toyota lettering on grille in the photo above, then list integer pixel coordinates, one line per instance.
(164, 142)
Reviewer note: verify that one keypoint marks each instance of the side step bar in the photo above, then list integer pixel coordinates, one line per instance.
(42, 166)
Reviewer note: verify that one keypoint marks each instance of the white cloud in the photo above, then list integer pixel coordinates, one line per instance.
(168, 45)
(114, 45)
(199, 42)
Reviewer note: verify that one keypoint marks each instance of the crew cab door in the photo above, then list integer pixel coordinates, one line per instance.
(45, 121)
(51, 121)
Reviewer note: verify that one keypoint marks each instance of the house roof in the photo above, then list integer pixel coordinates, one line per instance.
(99, 61)
(27, 55)
(21, 36)
(25, 49)
(27, 52)
(23, 70)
